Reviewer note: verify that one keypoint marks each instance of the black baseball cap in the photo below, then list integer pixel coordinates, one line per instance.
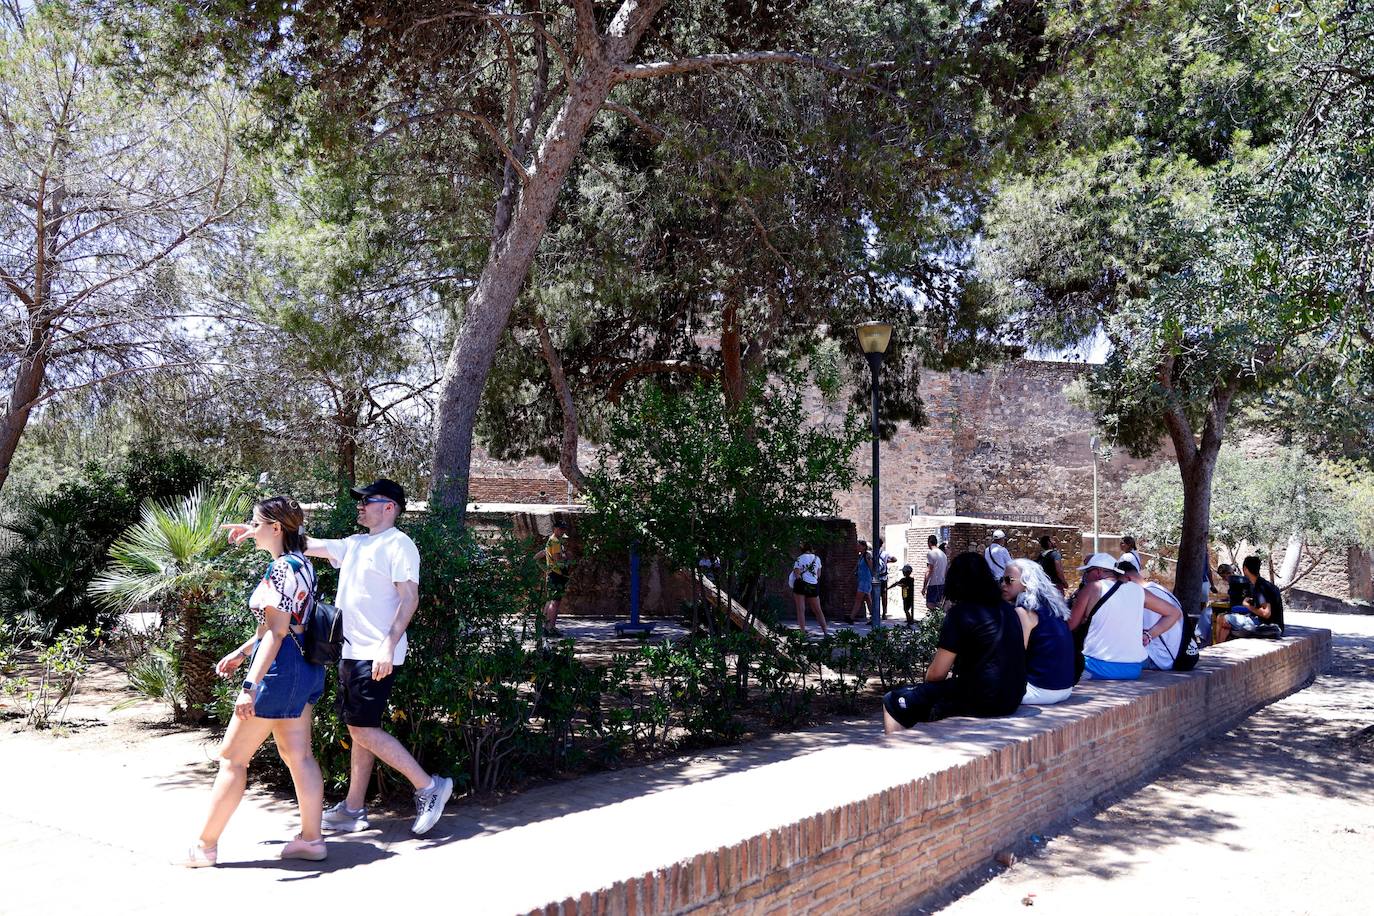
(381, 487)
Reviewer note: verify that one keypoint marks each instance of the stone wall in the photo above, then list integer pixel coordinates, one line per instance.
(1004, 444)
(937, 803)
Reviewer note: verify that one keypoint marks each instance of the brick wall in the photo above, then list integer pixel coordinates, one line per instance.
(943, 821)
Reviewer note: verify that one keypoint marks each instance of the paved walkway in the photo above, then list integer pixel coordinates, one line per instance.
(87, 821)
(1275, 817)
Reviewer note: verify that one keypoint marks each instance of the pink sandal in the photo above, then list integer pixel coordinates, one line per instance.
(313, 850)
(198, 856)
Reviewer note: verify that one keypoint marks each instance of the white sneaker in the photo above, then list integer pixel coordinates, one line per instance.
(340, 818)
(429, 805)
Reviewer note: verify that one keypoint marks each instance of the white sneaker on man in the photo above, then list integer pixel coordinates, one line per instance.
(340, 818)
(429, 804)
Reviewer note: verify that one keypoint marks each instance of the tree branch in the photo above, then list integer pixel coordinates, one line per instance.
(654, 367)
(567, 452)
(706, 62)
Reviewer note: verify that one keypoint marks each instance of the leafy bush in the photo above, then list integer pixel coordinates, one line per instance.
(62, 665)
(177, 555)
(59, 541)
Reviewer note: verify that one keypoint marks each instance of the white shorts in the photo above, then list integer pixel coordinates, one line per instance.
(1038, 696)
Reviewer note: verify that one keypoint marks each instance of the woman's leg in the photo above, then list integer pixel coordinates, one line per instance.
(801, 611)
(241, 742)
(815, 603)
(293, 744)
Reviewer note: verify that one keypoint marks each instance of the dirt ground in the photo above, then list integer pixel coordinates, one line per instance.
(1275, 817)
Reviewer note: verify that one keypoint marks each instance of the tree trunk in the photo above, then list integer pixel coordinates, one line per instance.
(28, 381)
(732, 357)
(489, 307)
(346, 425)
(567, 451)
(1197, 513)
(508, 263)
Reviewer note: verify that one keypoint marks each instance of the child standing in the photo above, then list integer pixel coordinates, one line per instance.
(908, 586)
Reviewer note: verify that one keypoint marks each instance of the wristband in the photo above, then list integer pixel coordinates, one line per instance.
(246, 653)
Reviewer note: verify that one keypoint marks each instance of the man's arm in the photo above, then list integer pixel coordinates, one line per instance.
(1081, 602)
(1059, 570)
(410, 600)
(315, 547)
(1168, 615)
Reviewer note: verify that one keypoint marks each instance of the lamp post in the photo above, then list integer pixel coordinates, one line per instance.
(1092, 446)
(874, 337)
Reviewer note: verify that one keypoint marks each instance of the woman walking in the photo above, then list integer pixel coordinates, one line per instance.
(806, 588)
(279, 691)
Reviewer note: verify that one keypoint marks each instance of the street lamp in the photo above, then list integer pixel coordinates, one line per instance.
(1092, 446)
(874, 337)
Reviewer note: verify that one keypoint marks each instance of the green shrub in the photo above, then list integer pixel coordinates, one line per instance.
(59, 541)
(62, 665)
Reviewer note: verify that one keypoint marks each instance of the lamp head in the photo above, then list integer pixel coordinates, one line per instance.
(874, 336)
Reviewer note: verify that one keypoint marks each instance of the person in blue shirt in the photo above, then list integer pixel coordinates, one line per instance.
(1044, 617)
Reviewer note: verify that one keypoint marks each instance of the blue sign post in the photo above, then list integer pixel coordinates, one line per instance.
(634, 627)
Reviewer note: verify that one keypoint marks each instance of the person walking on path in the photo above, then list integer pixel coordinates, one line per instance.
(556, 563)
(933, 583)
(279, 691)
(806, 587)
(997, 555)
(863, 596)
(1052, 562)
(379, 590)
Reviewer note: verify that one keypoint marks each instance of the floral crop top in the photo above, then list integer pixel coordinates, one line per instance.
(285, 586)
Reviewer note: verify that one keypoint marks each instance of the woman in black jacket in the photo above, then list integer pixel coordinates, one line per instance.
(981, 645)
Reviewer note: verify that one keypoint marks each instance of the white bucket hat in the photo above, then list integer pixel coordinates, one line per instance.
(1100, 561)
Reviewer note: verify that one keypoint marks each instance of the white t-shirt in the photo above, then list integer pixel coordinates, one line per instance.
(936, 563)
(1164, 647)
(998, 558)
(810, 566)
(369, 567)
(884, 558)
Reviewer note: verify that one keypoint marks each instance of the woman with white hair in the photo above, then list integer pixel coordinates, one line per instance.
(1044, 619)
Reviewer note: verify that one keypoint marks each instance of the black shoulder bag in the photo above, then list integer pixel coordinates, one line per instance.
(323, 638)
(1080, 633)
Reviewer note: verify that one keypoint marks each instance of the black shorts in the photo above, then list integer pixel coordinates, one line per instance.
(558, 584)
(361, 700)
(806, 589)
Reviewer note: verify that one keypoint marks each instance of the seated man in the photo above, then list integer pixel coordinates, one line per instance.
(1264, 605)
(1161, 650)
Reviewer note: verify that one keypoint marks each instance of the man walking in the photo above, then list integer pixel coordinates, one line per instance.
(379, 590)
(997, 555)
(556, 562)
(933, 583)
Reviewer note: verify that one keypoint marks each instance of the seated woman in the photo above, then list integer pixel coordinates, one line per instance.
(1044, 619)
(981, 642)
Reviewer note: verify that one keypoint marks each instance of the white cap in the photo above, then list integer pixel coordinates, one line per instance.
(1100, 561)
(998, 534)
